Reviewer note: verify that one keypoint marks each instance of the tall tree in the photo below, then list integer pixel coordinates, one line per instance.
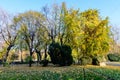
(68, 26)
(28, 24)
(41, 42)
(72, 27)
(86, 32)
(115, 36)
(55, 21)
(52, 18)
(8, 32)
(96, 34)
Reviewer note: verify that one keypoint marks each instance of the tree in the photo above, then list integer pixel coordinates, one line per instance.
(41, 42)
(52, 19)
(115, 37)
(96, 34)
(55, 22)
(28, 24)
(87, 33)
(71, 29)
(20, 46)
(56, 30)
(62, 27)
(8, 32)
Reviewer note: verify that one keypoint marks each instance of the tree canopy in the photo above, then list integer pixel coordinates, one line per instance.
(85, 33)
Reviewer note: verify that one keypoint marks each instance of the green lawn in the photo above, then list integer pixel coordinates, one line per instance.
(59, 73)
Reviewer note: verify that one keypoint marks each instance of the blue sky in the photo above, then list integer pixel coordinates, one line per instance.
(108, 8)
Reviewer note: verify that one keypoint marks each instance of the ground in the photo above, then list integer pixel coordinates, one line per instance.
(74, 72)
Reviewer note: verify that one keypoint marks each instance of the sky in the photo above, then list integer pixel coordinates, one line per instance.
(106, 8)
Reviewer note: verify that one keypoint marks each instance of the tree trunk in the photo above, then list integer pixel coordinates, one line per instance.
(21, 56)
(30, 60)
(61, 41)
(6, 55)
(7, 52)
(45, 52)
(38, 55)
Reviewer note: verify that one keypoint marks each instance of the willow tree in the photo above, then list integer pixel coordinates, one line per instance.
(28, 25)
(96, 34)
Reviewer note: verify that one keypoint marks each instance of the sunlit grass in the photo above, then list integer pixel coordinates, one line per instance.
(57, 73)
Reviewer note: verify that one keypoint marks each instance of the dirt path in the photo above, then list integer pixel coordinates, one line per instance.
(113, 63)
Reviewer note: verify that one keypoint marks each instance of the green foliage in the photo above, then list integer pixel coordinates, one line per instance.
(84, 32)
(95, 61)
(2, 52)
(28, 58)
(114, 57)
(31, 30)
(86, 60)
(44, 63)
(6, 64)
(58, 73)
(67, 54)
(60, 54)
(96, 34)
(72, 28)
(109, 72)
(14, 56)
(54, 52)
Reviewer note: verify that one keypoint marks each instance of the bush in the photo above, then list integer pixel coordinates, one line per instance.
(1, 61)
(86, 60)
(6, 64)
(28, 58)
(54, 52)
(67, 54)
(60, 54)
(113, 57)
(44, 63)
(14, 56)
(95, 61)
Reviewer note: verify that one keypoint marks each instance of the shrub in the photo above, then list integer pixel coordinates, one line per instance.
(14, 56)
(6, 64)
(95, 61)
(44, 63)
(114, 57)
(28, 58)
(86, 60)
(67, 54)
(54, 52)
(1, 61)
(60, 54)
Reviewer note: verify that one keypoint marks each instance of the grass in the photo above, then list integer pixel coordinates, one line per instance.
(109, 72)
(59, 73)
